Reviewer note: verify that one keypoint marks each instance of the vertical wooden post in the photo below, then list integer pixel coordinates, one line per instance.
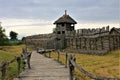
(90, 43)
(74, 59)
(3, 71)
(58, 56)
(71, 68)
(19, 62)
(28, 60)
(49, 54)
(37, 50)
(95, 45)
(72, 43)
(101, 43)
(80, 43)
(85, 44)
(24, 65)
(45, 54)
(77, 43)
(66, 56)
(119, 42)
(26, 49)
(109, 42)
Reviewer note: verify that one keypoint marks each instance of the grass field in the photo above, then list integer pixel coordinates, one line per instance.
(7, 53)
(107, 65)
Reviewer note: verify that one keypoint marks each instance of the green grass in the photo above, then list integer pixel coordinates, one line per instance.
(5, 56)
(107, 65)
(8, 53)
(12, 71)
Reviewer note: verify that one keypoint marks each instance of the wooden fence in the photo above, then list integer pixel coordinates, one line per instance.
(73, 65)
(25, 56)
(70, 61)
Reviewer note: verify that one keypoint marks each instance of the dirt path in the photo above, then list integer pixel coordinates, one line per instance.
(43, 68)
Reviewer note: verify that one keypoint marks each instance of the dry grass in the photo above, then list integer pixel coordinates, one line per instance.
(7, 53)
(107, 65)
(15, 50)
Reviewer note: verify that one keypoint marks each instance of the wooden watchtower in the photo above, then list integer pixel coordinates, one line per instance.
(63, 24)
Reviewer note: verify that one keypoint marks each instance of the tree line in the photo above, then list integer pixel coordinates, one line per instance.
(4, 40)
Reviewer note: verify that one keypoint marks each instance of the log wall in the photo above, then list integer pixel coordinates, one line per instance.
(93, 41)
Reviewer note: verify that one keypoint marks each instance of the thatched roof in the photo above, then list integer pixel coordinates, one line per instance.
(65, 19)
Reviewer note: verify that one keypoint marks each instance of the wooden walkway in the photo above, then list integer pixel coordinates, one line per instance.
(43, 68)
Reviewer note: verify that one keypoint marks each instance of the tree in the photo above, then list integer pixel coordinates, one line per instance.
(13, 35)
(23, 38)
(3, 37)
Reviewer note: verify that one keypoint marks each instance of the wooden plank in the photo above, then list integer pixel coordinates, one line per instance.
(43, 68)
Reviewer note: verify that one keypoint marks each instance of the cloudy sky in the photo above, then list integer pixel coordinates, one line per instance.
(29, 17)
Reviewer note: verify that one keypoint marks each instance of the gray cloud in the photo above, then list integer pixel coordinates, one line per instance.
(37, 24)
(81, 10)
(106, 11)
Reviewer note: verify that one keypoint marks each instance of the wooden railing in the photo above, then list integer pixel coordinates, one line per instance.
(25, 56)
(70, 61)
(73, 65)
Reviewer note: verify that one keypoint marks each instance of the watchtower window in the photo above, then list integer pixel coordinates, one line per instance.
(72, 28)
(62, 24)
(58, 25)
(58, 32)
(63, 32)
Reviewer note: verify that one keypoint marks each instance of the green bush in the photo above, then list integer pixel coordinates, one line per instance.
(14, 43)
